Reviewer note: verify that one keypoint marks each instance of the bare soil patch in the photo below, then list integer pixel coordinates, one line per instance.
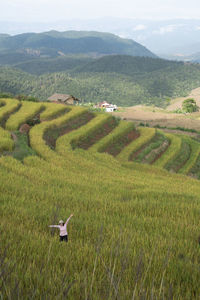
(140, 114)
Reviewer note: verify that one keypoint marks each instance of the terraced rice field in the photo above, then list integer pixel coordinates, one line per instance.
(101, 133)
(135, 229)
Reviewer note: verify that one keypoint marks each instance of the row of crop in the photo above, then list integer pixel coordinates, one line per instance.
(27, 111)
(122, 129)
(58, 162)
(172, 151)
(181, 158)
(37, 132)
(46, 169)
(195, 151)
(53, 110)
(6, 143)
(146, 135)
(10, 106)
(2, 102)
(52, 134)
(83, 134)
(195, 170)
(153, 149)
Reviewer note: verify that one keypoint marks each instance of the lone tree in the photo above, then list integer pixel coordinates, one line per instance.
(189, 105)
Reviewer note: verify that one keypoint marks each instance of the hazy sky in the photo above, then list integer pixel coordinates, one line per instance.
(55, 10)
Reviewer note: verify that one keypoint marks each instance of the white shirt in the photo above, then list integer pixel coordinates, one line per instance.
(63, 229)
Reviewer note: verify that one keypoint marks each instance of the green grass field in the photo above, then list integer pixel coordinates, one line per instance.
(135, 230)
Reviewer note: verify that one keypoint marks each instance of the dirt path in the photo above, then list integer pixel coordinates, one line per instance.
(141, 112)
(14, 137)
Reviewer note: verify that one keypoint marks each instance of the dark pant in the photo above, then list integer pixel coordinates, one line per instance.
(63, 238)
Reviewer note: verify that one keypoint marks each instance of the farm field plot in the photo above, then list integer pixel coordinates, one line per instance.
(156, 116)
(135, 230)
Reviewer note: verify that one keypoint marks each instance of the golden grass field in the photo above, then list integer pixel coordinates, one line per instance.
(135, 230)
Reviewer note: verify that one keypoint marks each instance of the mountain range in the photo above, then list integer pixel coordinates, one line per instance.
(172, 38)
(92, 66)
(54, 43)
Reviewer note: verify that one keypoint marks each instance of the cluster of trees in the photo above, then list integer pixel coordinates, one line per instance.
(39, 66)
(189, 106)
(19, 97)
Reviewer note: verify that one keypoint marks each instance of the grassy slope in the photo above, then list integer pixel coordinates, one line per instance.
(134, 231)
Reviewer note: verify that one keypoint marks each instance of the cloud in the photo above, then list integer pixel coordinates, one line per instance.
(167, 29)
(139, 27)
(141, 38)
(48, 10)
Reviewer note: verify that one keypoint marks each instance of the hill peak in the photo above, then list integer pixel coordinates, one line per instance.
(52, 42)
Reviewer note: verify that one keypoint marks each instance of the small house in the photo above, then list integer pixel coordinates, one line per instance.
(107, 106)
(65, 99)
(111, 108)
(103, 104)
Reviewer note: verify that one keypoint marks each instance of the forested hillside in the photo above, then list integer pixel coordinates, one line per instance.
(92, 66)
(39, 66)
(124, 80)
(127, 65)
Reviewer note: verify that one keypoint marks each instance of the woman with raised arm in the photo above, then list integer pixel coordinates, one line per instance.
(63, 229)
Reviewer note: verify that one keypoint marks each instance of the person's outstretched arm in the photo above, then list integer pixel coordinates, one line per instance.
(68, 219)
(55, 226)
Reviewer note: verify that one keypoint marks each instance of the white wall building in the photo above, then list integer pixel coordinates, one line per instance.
(111, 108)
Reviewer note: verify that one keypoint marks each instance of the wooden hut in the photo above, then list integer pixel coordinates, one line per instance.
(63, 98)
